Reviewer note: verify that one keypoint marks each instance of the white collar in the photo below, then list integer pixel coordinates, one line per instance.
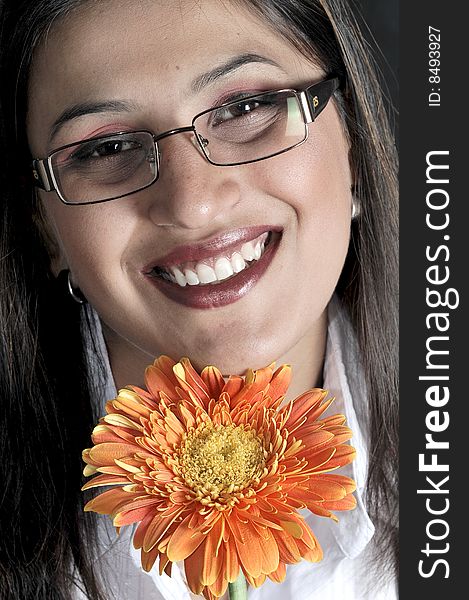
(344, 379)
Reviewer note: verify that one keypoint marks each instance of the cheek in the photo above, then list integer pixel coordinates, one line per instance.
(314, 178)
(311, 185)
(91, 239)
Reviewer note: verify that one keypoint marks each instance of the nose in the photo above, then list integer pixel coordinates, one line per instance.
(191, 193)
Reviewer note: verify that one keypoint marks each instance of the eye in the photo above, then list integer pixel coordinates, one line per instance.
(104, 148)
(239, 110)
(242, 108)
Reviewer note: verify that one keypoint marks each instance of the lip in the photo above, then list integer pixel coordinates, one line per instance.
(223, 293)
(224, 243)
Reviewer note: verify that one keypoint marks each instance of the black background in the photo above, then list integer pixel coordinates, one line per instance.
(423, 129)
(401, 31)
(380, 20)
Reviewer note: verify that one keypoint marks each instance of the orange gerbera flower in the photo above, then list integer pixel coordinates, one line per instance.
(215, 471)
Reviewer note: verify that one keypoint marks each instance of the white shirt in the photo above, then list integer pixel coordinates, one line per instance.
(344, 573)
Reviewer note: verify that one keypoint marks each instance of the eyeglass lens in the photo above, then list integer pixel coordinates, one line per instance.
(240, 132)
(105, 168)
(252, 129)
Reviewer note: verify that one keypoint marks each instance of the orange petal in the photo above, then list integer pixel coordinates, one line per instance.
(247, 546)
(218, 588)
(118, 420)
(280, 382)
(140, 502)
(303, 405)
(212, 559)
(246, 394)
(165, 565)
(109, 502)
(183, 541)
(320, 460)
(332, 420)
(279, 574)
(192, 379)
(261, 520)
(159, 526)
(318, 509)
(349, 484)
(327, 489)
(187, 416)
(231, 560)
(175, 424)
(120, 432)
(104, 454)
(158, 381)
(343, 456)
(293, 528)
(144, 397)
(128, 517)
(105, 480)
(270, 553)
(315, 441)
(89, 470)
(233, 385)
(287, 547)
(214, 381)
(347, 503)
(310, 554)
(193, 569)
(102, 433)
(113, 470)
(141, 530)
(341, 433)
(318, 410)
(132, 409)
(148, 559)
(255, 581)
(331, 487)
(165, 363)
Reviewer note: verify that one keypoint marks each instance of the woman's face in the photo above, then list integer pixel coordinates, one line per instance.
(156, 65)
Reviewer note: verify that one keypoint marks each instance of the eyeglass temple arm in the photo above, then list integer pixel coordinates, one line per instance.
(41, 176)
(319, 94)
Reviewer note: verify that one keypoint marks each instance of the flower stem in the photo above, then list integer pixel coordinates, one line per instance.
(238, 589)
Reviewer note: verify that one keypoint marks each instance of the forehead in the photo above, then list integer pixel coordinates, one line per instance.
(147, 50)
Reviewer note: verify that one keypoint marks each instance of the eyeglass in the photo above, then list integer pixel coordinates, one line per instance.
(246, 130)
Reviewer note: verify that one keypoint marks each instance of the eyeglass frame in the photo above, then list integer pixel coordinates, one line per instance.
(308, 98)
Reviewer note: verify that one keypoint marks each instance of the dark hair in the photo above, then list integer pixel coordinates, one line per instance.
(46, 409)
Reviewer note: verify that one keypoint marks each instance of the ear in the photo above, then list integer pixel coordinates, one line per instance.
(58, 264)
(58, 261)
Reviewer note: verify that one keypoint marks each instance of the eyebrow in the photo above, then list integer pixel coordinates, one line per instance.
(89, 108)
(228, 67)
(198, 84)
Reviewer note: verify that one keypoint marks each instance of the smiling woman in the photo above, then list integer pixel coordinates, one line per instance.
(213, 180)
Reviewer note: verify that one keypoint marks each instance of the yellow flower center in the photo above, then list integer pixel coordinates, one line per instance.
(221, 459)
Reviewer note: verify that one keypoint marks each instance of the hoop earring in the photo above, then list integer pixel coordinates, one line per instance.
(355, 208)
(75, 293)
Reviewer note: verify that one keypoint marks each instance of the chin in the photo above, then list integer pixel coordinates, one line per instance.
(232, 358)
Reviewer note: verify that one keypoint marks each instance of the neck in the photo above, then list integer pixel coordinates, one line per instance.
(306, 358)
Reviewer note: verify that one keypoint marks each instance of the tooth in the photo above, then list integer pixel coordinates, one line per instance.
(223, 268)
(206, 274)
(179, 275)
(257, 251)
(237, 262)
(247, 251)
(191, 277)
